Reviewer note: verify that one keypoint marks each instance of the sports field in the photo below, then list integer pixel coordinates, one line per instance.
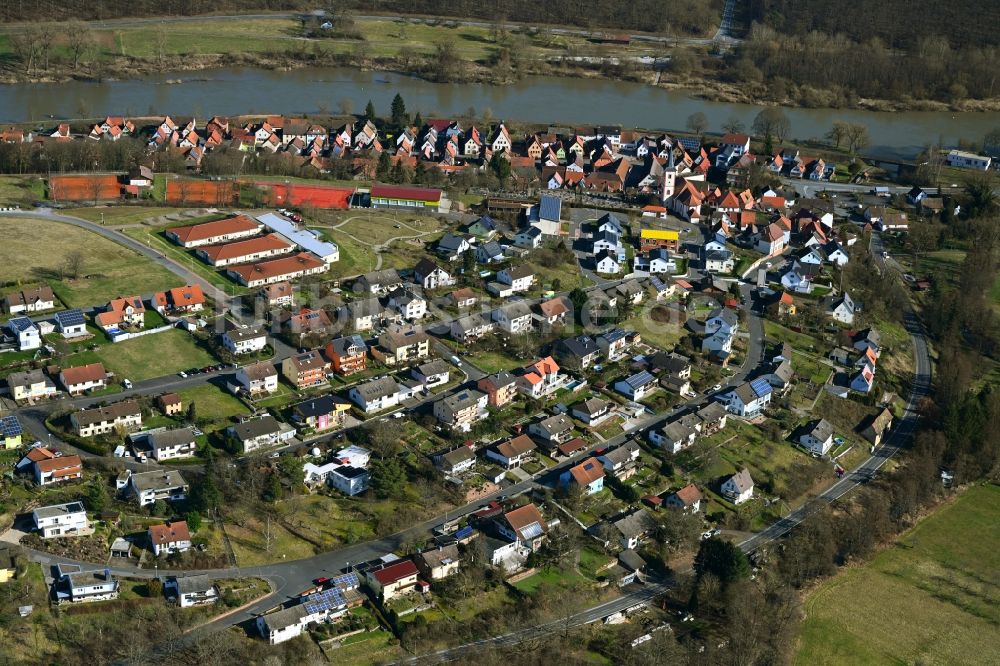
(933, 598)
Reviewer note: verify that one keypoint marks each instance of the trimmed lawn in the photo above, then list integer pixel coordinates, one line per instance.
(938, 585)
(551, 577)
(154, 355)
(491, 362)
(775, 332)
(664, 335)
(35, 250)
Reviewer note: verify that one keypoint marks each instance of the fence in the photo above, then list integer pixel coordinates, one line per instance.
(122, 336)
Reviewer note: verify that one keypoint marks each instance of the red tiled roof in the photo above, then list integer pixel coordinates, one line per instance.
(91, 372)
(572, 446)
(62, 466)
(167, 532)
(230, 225)
(521, 517)
(40, 453)
(587, 472)
(399, 192)
(395, 572)
(689, 494)
(275, 267)
(242, 248)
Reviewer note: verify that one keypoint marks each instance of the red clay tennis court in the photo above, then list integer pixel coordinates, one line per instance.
(201, 192)
(316, 196)
(84, 188)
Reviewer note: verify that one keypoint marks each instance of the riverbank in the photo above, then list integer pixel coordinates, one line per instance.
(435, 50)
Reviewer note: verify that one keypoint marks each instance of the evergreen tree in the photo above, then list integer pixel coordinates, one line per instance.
(398, 111)
(723, 559)
(384, 168)
(97, 496)
(418, 121)
(388, 478)
(370, 111)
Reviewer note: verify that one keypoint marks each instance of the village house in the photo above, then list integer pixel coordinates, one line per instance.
(361, 315)
(125, 416)
(258, 378)
(592, 411)
(452, 246)
(260, 432)
(588, 476)
(456, 461)
(621, 462)
(634, 527)
(244, 340)
(500, 388)
(471, 328)
(519, 278)
(438, 563)
(431, 276)
(463, 298)
(552, 312)
(10, 431)
(305, 370)
(148, 487)
(35, 299)
(578, 353)
(552, 430)
(431, 374)
(749, 399)
(525, 526)
(511, 453)
(408, 303)
(840, 308)
(375, 395)
(818, 437)
(674, 436)
(637, 386)
(70, 323)
(170, 404)
(402, 346)
(122, 312)
(325, 606)
(49, 468)
(72, 585)
(687, 498)
(489, 252)
(461, 410)
(30, 385)
(877, 426)
(279, 294)
(61, 520)
(393, 579)
(169, 538)
(513, 318)
(197, 590)
(614, 343)
(189, 298)
(28, 334)
(738, 488)
(168, 444)
(347, 355)
(541, 378)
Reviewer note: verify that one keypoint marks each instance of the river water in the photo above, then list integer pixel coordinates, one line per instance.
(534, 99)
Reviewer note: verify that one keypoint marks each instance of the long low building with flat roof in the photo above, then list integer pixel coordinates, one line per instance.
(277, 270)
(305, 239)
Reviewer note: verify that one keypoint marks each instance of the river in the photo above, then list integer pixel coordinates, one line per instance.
(238, 91)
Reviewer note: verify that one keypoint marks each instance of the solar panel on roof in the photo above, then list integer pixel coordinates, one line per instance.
(11, 426)
(657, 284)
(71, 318)
(347, 580)
(531, 531)
(760, 386)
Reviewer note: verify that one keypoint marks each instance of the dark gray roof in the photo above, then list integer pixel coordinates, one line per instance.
(821, 430)
(165, 439)
(727, 315)
(635, 524)
(157, 480)
(377, 388)
(318, 406)
(580, 346)
(257, 427)
(550, 208)
(70, 318)
(244, 333)
(193, 584)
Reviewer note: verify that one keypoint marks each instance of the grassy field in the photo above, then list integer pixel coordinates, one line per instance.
(153, 237)
(933, 598)
(213, 404)
(154, 355)
(35, 250)
(664, 335)
(21, 189)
